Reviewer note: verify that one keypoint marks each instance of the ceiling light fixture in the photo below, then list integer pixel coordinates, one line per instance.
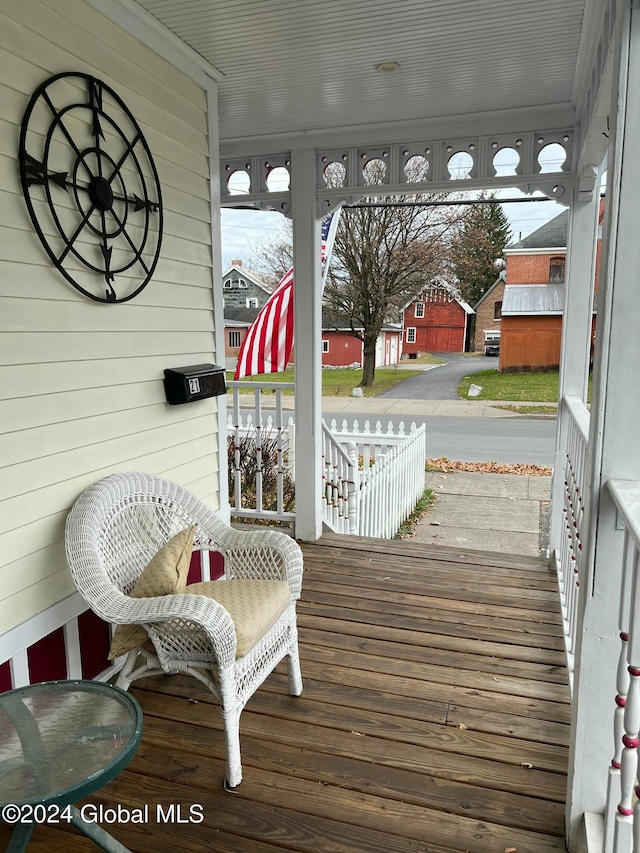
(387, 67)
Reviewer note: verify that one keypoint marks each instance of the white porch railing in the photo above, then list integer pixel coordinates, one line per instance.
(261, 452)
(570, 555)
(622, 812)
(389, 477)
(339, 483)
(371, 479)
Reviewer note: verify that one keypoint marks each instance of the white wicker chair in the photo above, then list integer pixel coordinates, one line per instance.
(112, 532)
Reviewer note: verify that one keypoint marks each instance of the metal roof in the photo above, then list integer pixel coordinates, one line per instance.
(293, 67)
(244, 316)
(533, 299)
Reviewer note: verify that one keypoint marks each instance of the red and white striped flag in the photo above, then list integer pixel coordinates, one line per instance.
(269, 340)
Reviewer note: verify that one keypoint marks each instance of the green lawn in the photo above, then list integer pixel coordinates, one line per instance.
(517, 387)
(340, 383)
(520, 387)
(425, 358)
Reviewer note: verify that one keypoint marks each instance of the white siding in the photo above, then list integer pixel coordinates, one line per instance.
(81, 391)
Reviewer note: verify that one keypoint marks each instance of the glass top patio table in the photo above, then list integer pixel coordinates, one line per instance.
(59, 742)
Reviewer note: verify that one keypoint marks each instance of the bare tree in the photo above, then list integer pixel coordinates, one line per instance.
(272, 255)
(384, 256)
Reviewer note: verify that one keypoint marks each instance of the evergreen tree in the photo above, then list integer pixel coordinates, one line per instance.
(480, 239)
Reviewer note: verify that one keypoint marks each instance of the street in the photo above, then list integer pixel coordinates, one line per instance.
(508, 441)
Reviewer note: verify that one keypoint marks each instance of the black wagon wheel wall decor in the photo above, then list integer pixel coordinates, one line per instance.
(91, 187)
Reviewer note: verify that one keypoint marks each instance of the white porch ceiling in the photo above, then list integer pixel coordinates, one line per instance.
(295, 66)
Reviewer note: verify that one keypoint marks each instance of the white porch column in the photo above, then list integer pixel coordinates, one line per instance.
(224, 511)
(307, 343)
(614, 450)
(576, 326)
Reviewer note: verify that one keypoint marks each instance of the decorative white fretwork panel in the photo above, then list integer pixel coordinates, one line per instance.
(527, 161)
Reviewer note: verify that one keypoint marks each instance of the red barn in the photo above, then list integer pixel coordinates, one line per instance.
(341, 348)
(437, 320)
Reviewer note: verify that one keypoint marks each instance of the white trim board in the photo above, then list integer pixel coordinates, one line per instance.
(550, 250)
(24, 635)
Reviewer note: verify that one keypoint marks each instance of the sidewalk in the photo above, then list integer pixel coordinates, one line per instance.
(487, 512)
(410, 408)
(442, 408)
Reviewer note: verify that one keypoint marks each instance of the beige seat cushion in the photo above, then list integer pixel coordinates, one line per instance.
(254, 606)
(165, 574)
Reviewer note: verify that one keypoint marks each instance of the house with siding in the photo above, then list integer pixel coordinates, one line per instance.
(243, 288)
(540, 257)
(244, 294)
(82, 380)
(437, 320)
(82, 396)
(531, 327)
(533, 297)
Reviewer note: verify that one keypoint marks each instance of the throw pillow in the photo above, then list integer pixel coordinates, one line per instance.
(165, 574)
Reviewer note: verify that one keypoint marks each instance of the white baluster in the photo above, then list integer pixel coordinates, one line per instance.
(623, 834)
(613, 787)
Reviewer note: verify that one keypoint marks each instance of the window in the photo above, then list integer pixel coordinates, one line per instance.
(242, 284)
(252, 302)
(325, 346)
(419, 309)
(411, 336)
(497, 310)
(227, 284)
(234, 340)
(556, 270)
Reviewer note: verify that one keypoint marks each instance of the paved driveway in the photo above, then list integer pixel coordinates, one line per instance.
(440, 382)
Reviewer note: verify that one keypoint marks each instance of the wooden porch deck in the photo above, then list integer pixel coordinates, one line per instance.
(434, 719)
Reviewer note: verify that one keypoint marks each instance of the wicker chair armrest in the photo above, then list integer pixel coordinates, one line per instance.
(261, 555)
(200, 610)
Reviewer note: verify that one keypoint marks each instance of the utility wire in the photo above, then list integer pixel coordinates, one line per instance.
(450, 203)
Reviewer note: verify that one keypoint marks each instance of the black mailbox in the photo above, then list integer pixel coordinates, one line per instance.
(195, 382)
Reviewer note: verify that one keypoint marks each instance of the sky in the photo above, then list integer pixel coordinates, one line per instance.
(241, 228)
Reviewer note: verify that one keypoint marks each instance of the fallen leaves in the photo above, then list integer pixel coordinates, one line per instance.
(445, 465)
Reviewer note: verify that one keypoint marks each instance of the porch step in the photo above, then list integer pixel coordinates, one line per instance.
(461, 557)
